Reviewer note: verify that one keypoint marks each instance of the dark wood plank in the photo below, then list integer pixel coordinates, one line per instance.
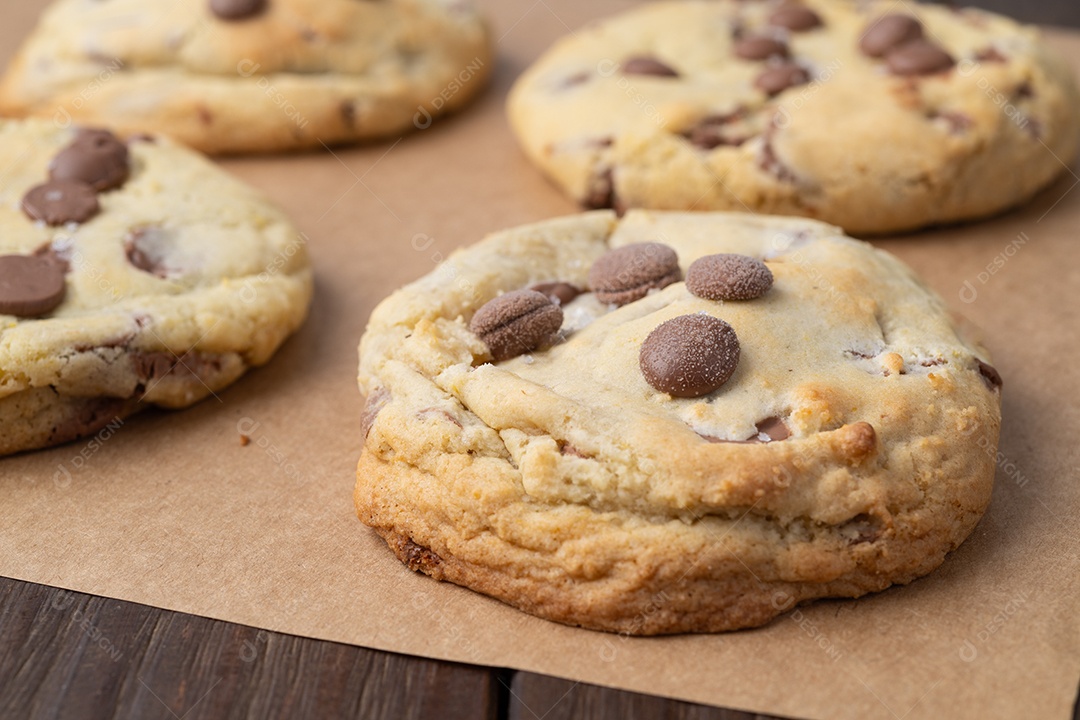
(1042, 12)
(538, 696)
(69, 655)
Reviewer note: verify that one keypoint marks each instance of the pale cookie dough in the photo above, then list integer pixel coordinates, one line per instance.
(228, 76)
(824, 108)
(840, 457)
(159, 289)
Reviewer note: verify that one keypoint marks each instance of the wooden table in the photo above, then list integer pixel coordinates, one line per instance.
(69, 655)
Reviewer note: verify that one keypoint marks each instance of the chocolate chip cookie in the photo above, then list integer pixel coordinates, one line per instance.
(640, 453)
(875, 116)
(228, 76)
(131, 274)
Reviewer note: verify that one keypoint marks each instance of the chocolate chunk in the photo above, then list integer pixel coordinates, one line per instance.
(30, 285)
(96, 157)
(642, 65)
(795, 17)
(990, 375)
(58, 202)
(237, 9)
(561, 293)
(776, 79)
(728, 277)
(760, 47)
(415, 557)
(515, 323)
(690, 356)
(918, 57)
(566, 448)
(147, 248)
(88, 416)
(376, 401)
(770, 162)
(773, 428)
(434, 412)
(990, 55)
(889, 31)
(628, 273)
(716, 130)
(601, 193)
(152, 366)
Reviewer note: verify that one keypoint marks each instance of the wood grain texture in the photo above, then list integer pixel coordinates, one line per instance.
(69, 655)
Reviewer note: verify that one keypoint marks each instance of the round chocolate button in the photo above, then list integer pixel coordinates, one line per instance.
(728, 276)
(778, 78)
(516, 323)
(647, 66)
(628, 273)
(59, 202)
(795, 17)
(690, 356)
(96, 157)
(30, 285)
(918, 57)
(760, 47)
(889, 31)
(237, 9)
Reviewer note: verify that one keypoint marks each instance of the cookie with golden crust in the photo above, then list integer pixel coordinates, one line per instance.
(131, 275)
(228, 76)
(875, 116)
(668, 462)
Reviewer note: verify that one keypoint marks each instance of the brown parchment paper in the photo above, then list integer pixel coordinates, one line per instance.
(171, 511)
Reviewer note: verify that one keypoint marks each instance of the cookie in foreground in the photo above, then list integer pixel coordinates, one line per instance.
(228, 76)
(131, 274)
(672, 422)
(874, 116)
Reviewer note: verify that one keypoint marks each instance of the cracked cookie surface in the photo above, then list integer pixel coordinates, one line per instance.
(840, 456)
(284, 75)
(183, 280)
(868, 120)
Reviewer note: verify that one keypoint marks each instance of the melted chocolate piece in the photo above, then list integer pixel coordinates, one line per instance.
(628, 273)
(59, 202)
(690, 355)
(516, 323)
(30, 285)
(647, 66)
(728, 276)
